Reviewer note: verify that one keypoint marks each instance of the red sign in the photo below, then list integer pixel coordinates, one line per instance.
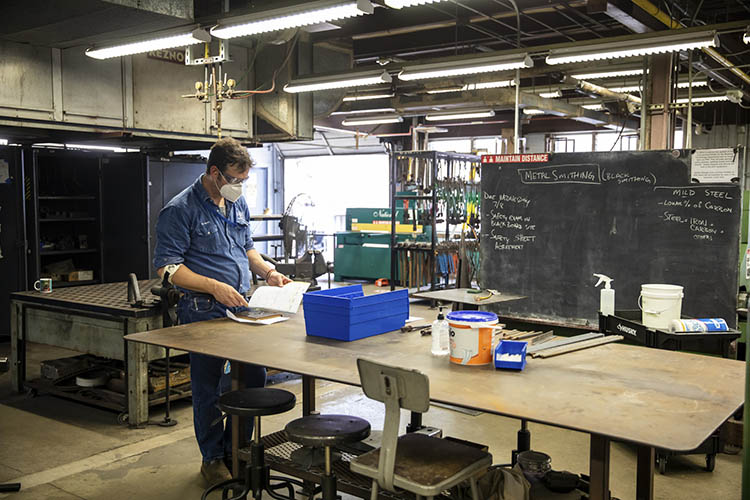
(520, 158)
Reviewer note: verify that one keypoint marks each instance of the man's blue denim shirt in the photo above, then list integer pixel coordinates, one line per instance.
(192, 231)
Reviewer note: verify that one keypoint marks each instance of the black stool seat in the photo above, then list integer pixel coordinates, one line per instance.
(256, 402)
(327, 430)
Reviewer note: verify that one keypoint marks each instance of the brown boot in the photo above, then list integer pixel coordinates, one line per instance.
(215, 472)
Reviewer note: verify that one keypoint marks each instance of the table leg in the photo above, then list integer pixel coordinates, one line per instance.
(308, 395)
(644, 482)
(136, 360)
(17, 347)
(235, 422)
(599, 468)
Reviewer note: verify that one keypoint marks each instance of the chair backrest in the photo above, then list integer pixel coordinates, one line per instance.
(397, 388)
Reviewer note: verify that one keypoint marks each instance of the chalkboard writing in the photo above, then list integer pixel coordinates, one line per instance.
(548, 227)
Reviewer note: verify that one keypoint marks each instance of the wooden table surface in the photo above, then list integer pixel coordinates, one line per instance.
(659, 398)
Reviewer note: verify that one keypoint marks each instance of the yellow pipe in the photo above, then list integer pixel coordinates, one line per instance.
(664, 18)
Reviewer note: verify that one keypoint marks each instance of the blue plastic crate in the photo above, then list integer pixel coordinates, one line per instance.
(345, 313)
(511, 347)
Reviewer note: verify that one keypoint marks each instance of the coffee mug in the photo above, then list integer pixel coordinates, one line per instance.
(44, 285)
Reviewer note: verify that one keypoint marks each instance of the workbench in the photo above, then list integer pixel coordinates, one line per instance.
(91, 319)
(648, 397)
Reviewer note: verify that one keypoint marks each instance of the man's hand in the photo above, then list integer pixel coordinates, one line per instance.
(277, 279)
(227, 295)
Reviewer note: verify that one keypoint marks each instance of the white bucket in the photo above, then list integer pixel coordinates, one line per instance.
(660, 304)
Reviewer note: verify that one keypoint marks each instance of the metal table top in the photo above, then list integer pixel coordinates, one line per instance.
(462, 296)
(106, 298)
(665, 399)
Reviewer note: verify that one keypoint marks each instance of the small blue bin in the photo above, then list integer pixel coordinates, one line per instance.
(511, 347)
(345, 313)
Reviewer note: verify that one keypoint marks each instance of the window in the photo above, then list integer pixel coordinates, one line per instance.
(451, 145)
(325, 186)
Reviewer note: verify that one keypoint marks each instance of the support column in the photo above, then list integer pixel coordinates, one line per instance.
(508, 134)
(661, 122)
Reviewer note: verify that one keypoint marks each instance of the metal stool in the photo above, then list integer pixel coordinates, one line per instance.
(327, 431)
(255, 403)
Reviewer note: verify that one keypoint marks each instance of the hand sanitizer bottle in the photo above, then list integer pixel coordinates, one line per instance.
(440, 335)
(606, 296)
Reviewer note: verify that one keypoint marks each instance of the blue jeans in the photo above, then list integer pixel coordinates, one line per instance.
(208, 381)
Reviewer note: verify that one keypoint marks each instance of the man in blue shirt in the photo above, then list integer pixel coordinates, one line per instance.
(203, 241)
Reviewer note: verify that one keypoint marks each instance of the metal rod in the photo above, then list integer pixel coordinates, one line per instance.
(687, 131)
(328, 460)
(256, 430)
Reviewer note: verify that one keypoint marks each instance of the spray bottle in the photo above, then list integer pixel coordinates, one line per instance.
(607, 295)
(440, 335)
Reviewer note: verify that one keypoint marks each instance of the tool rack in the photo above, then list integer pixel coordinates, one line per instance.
(425, 174)
(626, 323)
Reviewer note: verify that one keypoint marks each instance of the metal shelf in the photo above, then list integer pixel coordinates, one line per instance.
(70, 219)
(69, 252)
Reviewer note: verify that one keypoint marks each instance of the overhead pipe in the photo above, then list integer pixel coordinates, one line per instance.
(602, 91)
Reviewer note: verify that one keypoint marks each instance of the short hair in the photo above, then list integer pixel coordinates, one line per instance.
(226, 152)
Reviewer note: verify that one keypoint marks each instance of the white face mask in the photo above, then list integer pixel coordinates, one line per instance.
(230, 192)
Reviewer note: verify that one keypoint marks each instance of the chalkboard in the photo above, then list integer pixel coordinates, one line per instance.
(549, 222)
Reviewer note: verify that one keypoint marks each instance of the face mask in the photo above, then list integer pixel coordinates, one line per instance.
(230, 192)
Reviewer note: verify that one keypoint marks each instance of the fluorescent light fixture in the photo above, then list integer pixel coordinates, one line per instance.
(338, 81)
(607, 74)
(466, 66)
(372, 120)
(708, 98)
(155, 41)
(746, 35)
(459, 115)
(3, 142)
(680, 85)
(633, 47)
(593, 107)
(474, 86)
(364, 111)
(550, 95)
(398, 4)
(533, 111)
(367, 97)
(304, 14)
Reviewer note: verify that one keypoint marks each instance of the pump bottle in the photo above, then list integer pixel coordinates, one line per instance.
(440, 335)
(606, 296)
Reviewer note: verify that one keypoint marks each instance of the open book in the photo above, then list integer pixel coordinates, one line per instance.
(271, 301)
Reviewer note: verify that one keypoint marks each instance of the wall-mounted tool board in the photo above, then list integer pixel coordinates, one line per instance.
(550, 221)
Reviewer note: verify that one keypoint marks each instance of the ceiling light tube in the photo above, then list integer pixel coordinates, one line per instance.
(372, 120)
(364, 111)
(459, 115)
(533, 111)
(304, 14)
(154, 41)
(338, 81)
(466, 66)
(367, 97)
(708, 98)
(637, 88)
(642, 46)
(550, 95)
(746, 35)
(593, 107)
(398, 4)
(607, 74)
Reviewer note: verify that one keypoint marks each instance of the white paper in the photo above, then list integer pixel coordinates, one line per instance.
(269, 321)
(715, 165)
(411, 319)
(4, 172)
(285, 298)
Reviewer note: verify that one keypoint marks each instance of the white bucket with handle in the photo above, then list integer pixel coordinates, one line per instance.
(660, 304)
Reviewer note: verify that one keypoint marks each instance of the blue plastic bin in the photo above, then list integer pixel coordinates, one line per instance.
(511, 347)
(347, 314)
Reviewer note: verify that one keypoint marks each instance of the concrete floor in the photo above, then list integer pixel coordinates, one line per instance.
(64, 450)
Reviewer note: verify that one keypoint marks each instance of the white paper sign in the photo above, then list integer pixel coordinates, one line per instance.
(715, 165)
(285, 298)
